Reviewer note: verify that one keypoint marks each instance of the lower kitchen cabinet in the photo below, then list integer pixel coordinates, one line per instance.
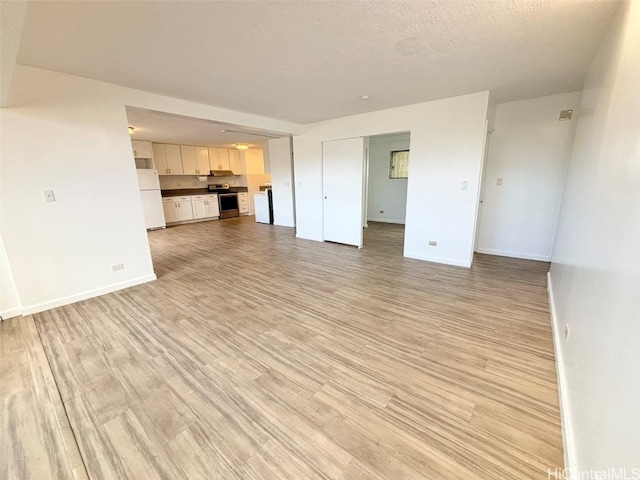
(177, 209)
(205, 206)
(211, 204)
(243, 203)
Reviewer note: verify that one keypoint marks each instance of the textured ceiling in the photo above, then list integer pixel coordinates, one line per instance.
(312, 60)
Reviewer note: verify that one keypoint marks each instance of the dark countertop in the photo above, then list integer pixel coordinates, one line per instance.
(179, 192)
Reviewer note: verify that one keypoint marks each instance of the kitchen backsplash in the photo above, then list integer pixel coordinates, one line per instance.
(170, 182)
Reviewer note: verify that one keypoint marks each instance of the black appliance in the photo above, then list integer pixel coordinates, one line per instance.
(228, 203)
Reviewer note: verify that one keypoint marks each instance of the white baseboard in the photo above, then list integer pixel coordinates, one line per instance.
(506, 253)
(315, 239)
(565, 410)
(445, 261)
(386, 220)
(58, 302)
(10, 313)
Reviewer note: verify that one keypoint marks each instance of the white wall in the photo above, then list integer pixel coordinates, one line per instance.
(595, 274)
(447, 138)
(69, 134)
(255, 176)
(529, 149)
(9, 299)
(386, 194)
(10, 305)
(282, 181)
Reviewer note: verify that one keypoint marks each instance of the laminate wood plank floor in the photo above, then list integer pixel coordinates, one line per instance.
(256, 355)
(36, 441)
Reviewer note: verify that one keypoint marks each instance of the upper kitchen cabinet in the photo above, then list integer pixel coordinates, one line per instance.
(218, 158)
(141, 149)
(236, 165)
(167, 158)
(213, 159)
(188, 159)
(160, 159)
(202, 161)
(174, 159)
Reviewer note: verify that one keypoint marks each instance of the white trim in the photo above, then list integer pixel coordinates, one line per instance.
(445, 261)
(504, 253)
(565, 409)
(40, 307)
(387, 220)
(10, 313)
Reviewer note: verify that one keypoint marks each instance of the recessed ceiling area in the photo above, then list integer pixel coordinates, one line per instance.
(309, 61)
(164, 127)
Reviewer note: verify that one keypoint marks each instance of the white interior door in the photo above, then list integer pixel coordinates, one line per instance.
(483, 171)
(342, 174)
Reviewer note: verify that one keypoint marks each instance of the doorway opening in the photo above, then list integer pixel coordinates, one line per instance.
(387, 167)
(364, 183)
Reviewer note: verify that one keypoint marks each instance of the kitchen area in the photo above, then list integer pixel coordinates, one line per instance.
(186, 183)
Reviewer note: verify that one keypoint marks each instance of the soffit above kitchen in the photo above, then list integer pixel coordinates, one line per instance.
(163, 127)
(309, 61)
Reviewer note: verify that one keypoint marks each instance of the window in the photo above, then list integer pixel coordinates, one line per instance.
(399, 167)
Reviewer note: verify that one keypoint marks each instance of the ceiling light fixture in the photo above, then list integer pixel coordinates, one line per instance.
(131, 129)
(242, 146)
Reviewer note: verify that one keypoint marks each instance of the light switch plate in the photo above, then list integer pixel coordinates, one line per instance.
(464, 186)
(49, 196)
(499, 182)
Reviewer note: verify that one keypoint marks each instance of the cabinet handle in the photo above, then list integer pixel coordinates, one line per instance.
(135, 154)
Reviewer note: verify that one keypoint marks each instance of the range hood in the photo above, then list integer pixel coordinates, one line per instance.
(221, 173)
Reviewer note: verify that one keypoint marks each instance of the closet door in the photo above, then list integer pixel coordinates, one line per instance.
(342, 175)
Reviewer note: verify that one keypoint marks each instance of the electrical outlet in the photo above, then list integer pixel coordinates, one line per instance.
(381, 211)
(499, 182)
(566, 332)
(116, 267)
(433, 243)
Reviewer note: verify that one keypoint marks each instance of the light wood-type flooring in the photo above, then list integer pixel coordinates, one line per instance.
(256, 355)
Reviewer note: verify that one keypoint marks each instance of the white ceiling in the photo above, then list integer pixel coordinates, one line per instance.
(167, 128)
(305, 61)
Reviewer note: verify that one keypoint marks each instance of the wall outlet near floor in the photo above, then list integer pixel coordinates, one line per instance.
(117, 266)
(566, 332)
(433, 243)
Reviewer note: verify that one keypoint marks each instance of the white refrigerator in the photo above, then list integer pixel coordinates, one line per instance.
(149, 184)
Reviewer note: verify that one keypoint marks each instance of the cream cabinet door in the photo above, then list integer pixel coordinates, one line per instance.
(174, 159)
(199, 206)
(236, 163)
(214, 164)
(212, 206)
(188, 159)
(141, 149)
(170, 212)
(160, 159)
(202, 161)
(223, 158)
